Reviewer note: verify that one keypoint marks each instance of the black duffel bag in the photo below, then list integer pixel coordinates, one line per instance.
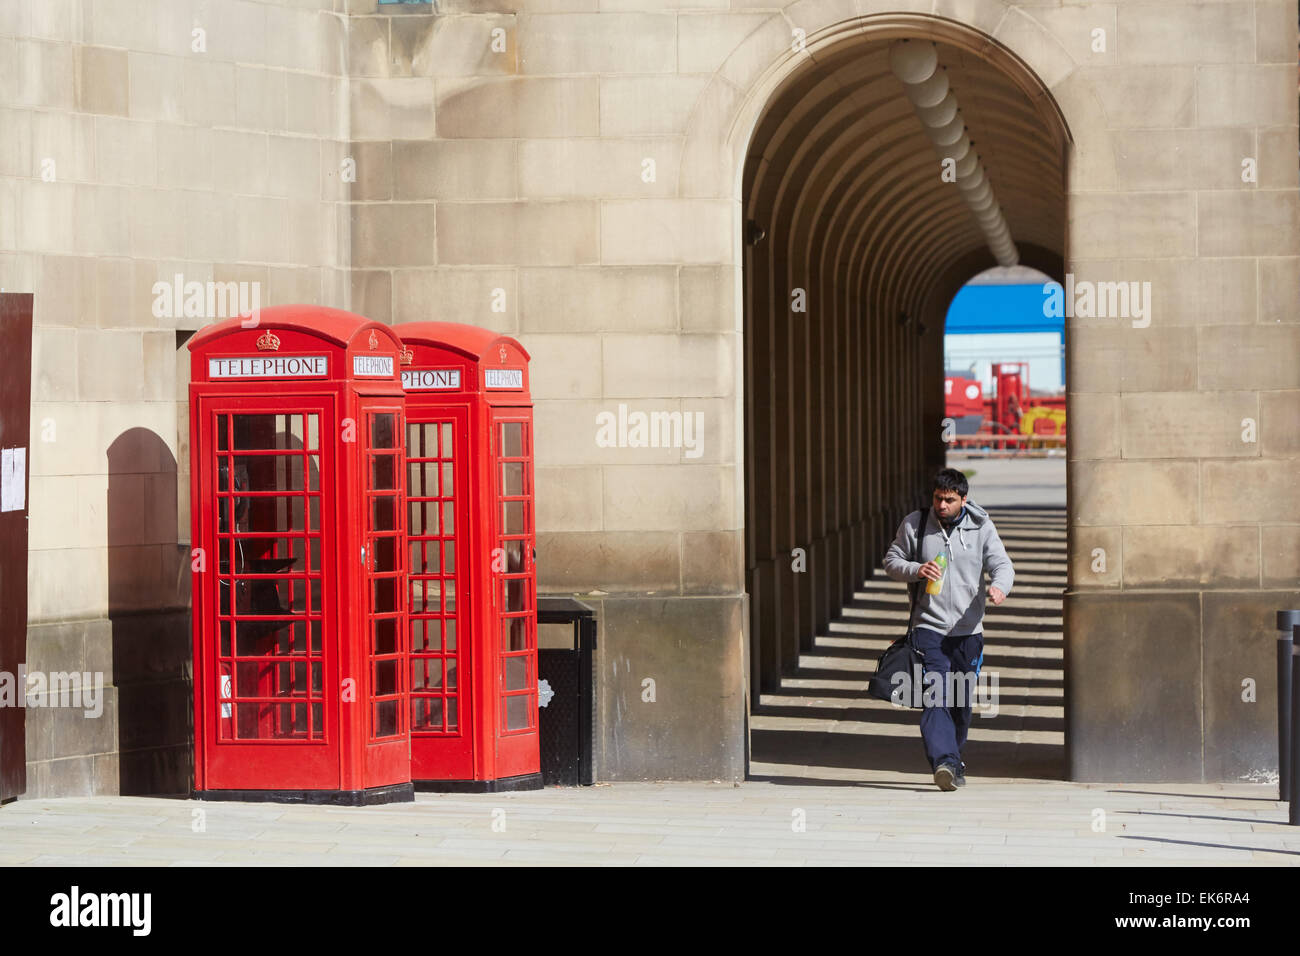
(901, 657)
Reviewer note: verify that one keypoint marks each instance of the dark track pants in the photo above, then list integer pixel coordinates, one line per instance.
(944, 727)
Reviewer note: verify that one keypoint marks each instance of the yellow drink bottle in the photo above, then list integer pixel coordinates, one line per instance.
(934, 587)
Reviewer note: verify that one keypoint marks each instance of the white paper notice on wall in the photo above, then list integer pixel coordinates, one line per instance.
(13, 479)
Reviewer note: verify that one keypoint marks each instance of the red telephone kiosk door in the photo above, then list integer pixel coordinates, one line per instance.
(471, 544)
(298, 517)
(515, 590)
(381, 658)
(442, 700)
(264, 540)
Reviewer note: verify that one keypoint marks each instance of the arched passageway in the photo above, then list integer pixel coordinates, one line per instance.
(854, 245)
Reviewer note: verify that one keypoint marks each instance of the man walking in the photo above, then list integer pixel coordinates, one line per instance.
(958, 543)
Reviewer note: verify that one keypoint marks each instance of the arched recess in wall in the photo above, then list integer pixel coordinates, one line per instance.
(851, 247)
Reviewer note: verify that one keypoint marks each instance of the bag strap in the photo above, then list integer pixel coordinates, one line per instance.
(914, 590)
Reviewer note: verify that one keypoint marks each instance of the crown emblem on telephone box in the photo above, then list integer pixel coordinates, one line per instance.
(268, 341)
(407, 355)
(374, 340)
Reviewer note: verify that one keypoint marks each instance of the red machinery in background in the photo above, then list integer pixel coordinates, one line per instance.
(1011, 418)
(1010, 394)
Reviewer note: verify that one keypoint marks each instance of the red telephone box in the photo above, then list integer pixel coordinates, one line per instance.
(297, 477)
(470, 529)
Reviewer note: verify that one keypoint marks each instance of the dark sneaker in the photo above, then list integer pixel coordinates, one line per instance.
(944, 775)
(960, 779)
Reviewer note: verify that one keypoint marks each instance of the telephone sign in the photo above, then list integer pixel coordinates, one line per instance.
(431, 379)
(250, 366)
(503, 377)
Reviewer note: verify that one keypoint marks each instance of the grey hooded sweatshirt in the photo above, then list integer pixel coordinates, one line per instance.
(972, 547)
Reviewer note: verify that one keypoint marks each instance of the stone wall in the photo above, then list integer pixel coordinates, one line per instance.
(1183, 542)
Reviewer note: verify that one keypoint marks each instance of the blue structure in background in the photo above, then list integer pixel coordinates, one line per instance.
(1002, 309)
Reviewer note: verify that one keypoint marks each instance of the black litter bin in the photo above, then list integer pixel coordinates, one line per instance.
(567, 722)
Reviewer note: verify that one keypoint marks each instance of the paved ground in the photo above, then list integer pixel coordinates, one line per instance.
(1021, 480)
(893, 819)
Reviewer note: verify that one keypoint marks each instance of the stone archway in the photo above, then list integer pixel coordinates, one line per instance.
(832, 168)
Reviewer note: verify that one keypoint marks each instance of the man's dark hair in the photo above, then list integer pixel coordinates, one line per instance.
(950, 479)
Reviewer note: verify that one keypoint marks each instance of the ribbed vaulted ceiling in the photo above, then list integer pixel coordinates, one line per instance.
(840, 165)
